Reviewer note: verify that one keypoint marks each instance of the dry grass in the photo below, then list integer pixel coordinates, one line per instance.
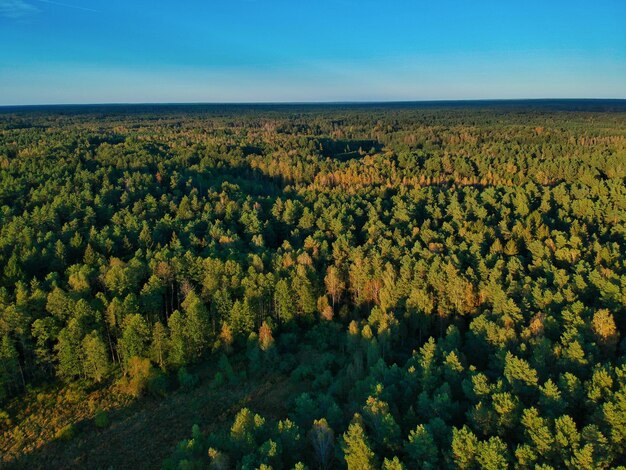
(142, 432)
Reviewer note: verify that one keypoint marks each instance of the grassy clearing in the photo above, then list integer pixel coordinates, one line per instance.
(64, 428)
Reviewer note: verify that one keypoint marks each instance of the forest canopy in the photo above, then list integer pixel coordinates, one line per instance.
(406, 286)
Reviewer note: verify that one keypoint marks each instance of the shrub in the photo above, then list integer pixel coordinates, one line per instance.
(5, 419)
(139, 371)
(158, 383)
(101, 419)
(66, 433)
(218, 380)
(186, 380)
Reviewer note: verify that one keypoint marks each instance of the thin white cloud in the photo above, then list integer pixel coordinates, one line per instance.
(16, 8)
(67, 5)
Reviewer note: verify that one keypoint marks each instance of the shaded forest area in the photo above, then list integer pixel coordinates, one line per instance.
(394, 286)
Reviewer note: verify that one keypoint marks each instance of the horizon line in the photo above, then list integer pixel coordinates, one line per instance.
(295, 103)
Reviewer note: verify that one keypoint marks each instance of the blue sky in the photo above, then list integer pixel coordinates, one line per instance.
(97, 51)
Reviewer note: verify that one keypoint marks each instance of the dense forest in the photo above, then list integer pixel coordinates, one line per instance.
(287, 287)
